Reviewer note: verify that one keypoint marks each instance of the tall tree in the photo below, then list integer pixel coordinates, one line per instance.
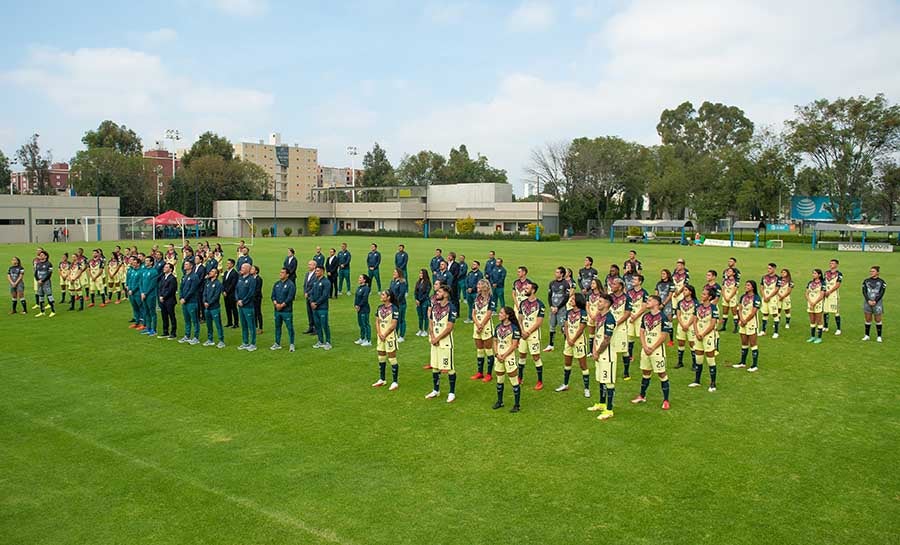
(5, 172)
(423, 168)
(713, 127)
(105, 171)
(377, 172)
(37, 166)
(209, 143)
(462, 169)
(844, 139)
(547, 168)
(884, 200)
(111, 135)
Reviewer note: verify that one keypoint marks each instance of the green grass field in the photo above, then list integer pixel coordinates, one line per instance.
(111, 437)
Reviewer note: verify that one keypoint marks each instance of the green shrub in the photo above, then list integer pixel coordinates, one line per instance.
(288, 231)
(312, 225)
(465, 226)
(265, 232)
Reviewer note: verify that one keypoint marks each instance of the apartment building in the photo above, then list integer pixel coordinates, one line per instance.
(293, 170)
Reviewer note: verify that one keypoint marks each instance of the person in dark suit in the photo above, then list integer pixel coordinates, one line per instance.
(454, 270)
(308, 281)
(229, 283)
(331, 269)
(168, 292)
(290, 264)
(257, 298)
(200, 271)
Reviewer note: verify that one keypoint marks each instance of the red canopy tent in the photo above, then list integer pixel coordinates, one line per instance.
(171, 217)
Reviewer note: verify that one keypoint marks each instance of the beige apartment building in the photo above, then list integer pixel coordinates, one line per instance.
(293, 170)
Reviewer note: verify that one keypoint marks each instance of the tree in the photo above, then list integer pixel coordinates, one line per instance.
(37, 166)
(462, 169)
(843, 140)
(713, 127)
(421, 169)
(105, 171)
(377, 172)
(111, 135)
(885, 197)
(5, 172)
(211, 178)
(765, 173)
(209, 143)
(547, 168)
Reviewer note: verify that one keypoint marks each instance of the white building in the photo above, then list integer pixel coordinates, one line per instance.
(33, 218)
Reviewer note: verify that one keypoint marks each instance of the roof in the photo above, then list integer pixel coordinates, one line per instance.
(857, 227)
(171, 217)
(664, 224)
(752, 224)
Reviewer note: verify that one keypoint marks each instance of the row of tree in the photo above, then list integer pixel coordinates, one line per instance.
(714, 163)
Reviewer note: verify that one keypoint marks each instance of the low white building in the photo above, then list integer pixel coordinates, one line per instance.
(404, 209)
(34, 218)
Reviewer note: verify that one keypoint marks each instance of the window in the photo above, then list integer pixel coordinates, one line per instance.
(365, 225)
(43, 222)
(484, 224)
(509, 226)
(523, 226)
(12, 222)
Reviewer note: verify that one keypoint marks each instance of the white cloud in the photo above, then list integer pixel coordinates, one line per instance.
(764, 57)
(531, 15)
(242, 8)
(136, 88)
(157, 38)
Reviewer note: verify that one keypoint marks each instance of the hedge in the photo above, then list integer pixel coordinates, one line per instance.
(437, 233)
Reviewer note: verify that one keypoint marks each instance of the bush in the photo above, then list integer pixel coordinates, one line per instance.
(634, 231)
(465, 226)
(312, 225)
(265, 232)
(532, 229)
(288, 231)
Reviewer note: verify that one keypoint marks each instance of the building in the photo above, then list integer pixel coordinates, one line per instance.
(33, 218)
(403, 209)
(59, 180)
(168, 164)
(338, 177)
(293, 170)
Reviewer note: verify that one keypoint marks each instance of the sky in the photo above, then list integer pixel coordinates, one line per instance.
(502, 77)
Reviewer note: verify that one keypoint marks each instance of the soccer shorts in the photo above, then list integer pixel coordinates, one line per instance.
(442, 358)
(96, 286)
(44, 289)
(785, 304)
(655, 362)
(833, 303)
(486, 334)
(577, 350)
(685, 335)
(815, 309)
(508, 366)
(770, 306)
(619, 341)
(388, 345)
(750, 328)
(728, 302)
(531, 345)
(605, 367)
(708, 343)
(877, 309)
(17, 290)
(633, 328)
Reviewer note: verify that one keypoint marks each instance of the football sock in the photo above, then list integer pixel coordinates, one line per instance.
(81, 303)
(500, 389)
(479, 356)
(602, 399)
(381, 367)
(868, 328)
(591, 344)
(755, 351)
(610, 393)
(490, 364)
(765, 324)
(452, 377)
(744, 350)
(626, 363)
(539, 366)
(15, 303)
(693, 358)
(586, 378)
(645, 383)
(517, 392)
(436, 381)
(552, 335)
(665, 388)
(567, 372)
(712, 370)
(630, 348)
(50, 301)
(92, 298)
(63, 299)
(698, 371)
(395, 368)
(826, 319)
(103, 297)
(812, 330)
(680, 355)
(878, 328)
(37, 299)
(521, 372)
(837, 321)
(787, 319)
(775, 326)
(819, 331)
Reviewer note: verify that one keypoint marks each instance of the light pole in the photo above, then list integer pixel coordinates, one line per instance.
(352, 152)
(174, 135)
(14, 161)
(159, 170)
(537, 193)
(98, 209)
(275, 219)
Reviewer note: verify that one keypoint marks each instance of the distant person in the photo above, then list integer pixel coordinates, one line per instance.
(308, 279)
(483, 309)
(655, 330)
(387, 318)
(748, 324)
(318, 298)
(229, 283)
(189, 298)
(168, 294)
(833, 280)
(331, 270)
(15, 275)
(257, 299)
(505, 346)
(43, 277)
(423, 302)
(363, 312)
(290, 263)
(401, 259)
(373, 262)
(399, 288)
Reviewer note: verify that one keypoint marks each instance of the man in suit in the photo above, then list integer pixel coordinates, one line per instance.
(229, 283)
(453, 269)
(331, 269)
(401, 260)
(200, 271)
(290, 263)
(168, 290)
(344, 267)
(308, 281)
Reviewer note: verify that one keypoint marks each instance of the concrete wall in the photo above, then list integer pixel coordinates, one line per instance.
(32, 218)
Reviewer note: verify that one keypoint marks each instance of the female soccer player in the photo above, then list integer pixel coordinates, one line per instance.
(531, 314)
(748, 322)
(665, 290)
(604, 358)
(506, 344)
(575, 347)
(483, 331)
(387, 319)
(594, 291)
(443, 317)
(784, 297)
(15, 275)
(681, 277)
(638, 296)
(361, 304)
(833, 278)
(112, 279)
(686, 313)
(63, 269)
(655, 330)
(77, 278)
(815, 306)
(707, 335)
(96, 285)
(621, 311)
(400, 288)
(628, 275)
(729, 299)
(423, 298)
(873, 292)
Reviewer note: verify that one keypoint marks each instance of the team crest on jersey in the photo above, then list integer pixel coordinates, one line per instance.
(504, 331)
(529, 307)
(686, 305)
(384, 311)
(703, 311)
(637, 296)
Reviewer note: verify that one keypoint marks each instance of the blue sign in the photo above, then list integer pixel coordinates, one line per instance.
(778, 227)
(282, 153)
(816, 209)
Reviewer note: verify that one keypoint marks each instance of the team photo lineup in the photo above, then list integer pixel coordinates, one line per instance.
(602, 319)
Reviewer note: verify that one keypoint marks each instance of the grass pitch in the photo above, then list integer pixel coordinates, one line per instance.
(111, 437)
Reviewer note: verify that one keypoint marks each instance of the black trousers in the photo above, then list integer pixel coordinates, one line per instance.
(231, 311)
(257, 307)
(170, 324)
(333, 278)
(309, 317)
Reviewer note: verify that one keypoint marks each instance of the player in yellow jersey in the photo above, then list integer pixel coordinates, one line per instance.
(637, 295)
(592, 301)
(506, 344)
(443, 317)
(112, 279)
(707, 337)
(63, 269)
(729, 301)
(518, 289)
(768, 288)
(96, 275)
(685, 313)
(815, 305)
(680, 278)
(832, 305)
(784, 296)
(604, 358)
(575, 333)
(531, 318)
(77, 277)
(748, 309)
(483, 308)
(655, 331)
(387, 316)
(620, 308)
